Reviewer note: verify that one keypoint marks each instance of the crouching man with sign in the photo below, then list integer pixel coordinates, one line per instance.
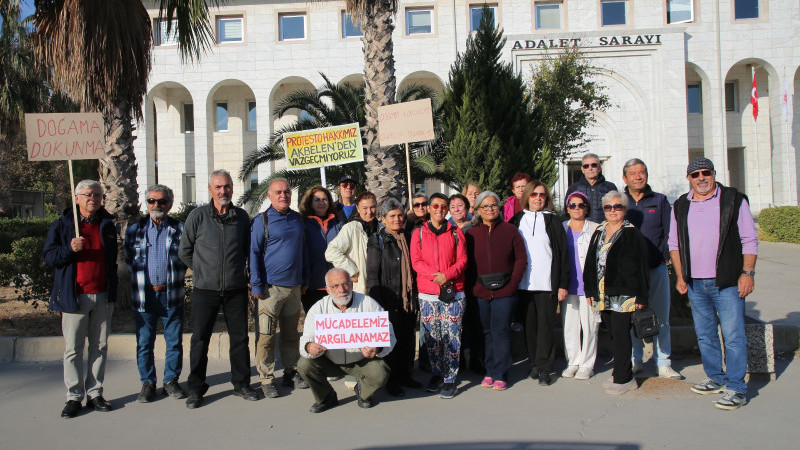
(345, 333)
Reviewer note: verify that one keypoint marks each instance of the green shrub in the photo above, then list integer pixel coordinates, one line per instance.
(781, 224)
(183, 212)
(25, 269)
(14, 229)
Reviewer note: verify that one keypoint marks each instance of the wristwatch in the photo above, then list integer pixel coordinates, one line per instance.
(751, 273)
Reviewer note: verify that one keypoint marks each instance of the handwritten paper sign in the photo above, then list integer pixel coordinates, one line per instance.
(352, 330)
(405, 122)
(331, 146)
(64, 136)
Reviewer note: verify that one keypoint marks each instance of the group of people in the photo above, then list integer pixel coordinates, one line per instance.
(466, 271)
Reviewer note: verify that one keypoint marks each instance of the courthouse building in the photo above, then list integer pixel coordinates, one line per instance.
(679, 74)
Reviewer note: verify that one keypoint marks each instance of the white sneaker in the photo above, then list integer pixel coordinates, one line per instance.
(619, 389)
(607, 384)
(637, 367)
(669, 372)
(569, 372)
(350, 384)
(584, 373)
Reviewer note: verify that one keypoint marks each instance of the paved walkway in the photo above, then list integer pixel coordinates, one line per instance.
(776, 298)
(569, 414)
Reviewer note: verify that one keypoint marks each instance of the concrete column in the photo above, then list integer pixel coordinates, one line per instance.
(203, 150)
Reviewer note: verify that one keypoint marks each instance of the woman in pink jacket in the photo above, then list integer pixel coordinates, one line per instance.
(514, 204)
(439, 257)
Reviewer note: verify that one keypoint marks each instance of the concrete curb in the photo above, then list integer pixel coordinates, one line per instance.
(123, 346)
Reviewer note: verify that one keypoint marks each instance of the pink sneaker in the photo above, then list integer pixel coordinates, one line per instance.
(500, 385)
(487, 382)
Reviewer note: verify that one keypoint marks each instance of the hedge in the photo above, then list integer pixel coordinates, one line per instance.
(781, 224)
(14, 229)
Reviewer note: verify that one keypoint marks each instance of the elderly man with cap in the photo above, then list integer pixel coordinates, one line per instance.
(346, 205)
(365, 364)
(713, 246)
(157, 278)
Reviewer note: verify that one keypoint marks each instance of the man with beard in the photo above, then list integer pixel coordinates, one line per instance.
(157, 277)
(317, 363)
(215, 245)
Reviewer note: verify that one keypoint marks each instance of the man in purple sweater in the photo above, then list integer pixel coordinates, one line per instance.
(713, 246)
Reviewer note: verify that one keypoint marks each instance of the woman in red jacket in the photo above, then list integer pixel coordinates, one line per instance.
(439, 257)
(498, 257)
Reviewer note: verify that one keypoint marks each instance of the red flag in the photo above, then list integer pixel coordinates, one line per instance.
(754, 98)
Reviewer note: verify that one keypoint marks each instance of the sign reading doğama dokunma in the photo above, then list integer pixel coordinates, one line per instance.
(63, 136)
(331, 146)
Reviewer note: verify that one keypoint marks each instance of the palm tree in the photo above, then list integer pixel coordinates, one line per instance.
(21, 90)
(99, 55)
(384, 170)
(331, 105)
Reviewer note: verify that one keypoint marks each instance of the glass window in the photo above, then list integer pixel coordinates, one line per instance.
(612, 12)
(253, 180)
(161, 36)
(680, 11)
(292, 26)
(251, 116)
(745, 9)
(350, 28)
(694, 99)
(476, 14)
(222, 116)
(229, 29)
(188, 117)
(731, 95)
(188, 188)
(419, 21)
(548, 16)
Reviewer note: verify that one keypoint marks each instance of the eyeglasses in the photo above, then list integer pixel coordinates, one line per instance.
(92, 195)
(436, 206)
(576, 206)
(287, 192)
(488, 207)
(323, 199)
(539, 194)
(160, 201)
(592, 165)
(420, 204)
(614, 207)
(340, 286)
(705, 172)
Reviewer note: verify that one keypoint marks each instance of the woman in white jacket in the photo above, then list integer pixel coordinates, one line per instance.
(579, 314)
(348, 250)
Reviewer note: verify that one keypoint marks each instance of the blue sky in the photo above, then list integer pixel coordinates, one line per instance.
(27, 8)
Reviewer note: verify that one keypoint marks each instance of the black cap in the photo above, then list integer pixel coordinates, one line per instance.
(698, 164)
(346, 178)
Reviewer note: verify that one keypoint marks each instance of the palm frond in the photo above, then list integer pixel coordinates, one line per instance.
(195, 25)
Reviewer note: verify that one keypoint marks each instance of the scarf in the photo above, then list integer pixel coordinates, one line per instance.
(323, 223)
(405, 270)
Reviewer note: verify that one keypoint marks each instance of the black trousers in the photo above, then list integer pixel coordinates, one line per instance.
(538, 310)
(312, 296)
(621, 345)
(205, 307)
(401, 358)
(472, 335)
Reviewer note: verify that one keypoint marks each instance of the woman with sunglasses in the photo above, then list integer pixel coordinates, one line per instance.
(418, 214)
(617, 275)
(497, 259)
(546, 277)
(580, 320)
(439, 257)
(321, 226)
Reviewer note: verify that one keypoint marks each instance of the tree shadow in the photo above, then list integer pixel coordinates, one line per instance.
(511, 445)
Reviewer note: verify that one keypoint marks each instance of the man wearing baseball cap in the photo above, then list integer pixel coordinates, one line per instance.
(713, 246)
(346, 205)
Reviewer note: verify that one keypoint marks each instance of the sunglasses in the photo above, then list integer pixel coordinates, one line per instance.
(592, 165)
(538, 194)
(576, 206)
(436, 206)
(420, 205)
(160, 201)
(705, 172)
(348, 184)
(615, 207)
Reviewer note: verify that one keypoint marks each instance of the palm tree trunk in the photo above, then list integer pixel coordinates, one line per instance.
(383, 166)
(8, 136)
(118, 177)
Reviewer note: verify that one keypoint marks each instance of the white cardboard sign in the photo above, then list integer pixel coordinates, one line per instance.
(352, 330)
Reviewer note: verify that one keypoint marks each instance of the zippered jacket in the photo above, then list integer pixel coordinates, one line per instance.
(438, 253)
(216, 248)
(499, 250)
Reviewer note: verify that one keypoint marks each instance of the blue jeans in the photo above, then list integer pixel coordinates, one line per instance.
(146, 327)
(660, 291)
(496, 317)
(711, 307)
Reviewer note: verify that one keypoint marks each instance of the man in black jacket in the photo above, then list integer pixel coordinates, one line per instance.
(215, 244)
(594, 185)
(649, 212)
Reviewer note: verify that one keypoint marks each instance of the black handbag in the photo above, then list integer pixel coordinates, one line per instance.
(447, 292)
(494, 281)
(645, 323)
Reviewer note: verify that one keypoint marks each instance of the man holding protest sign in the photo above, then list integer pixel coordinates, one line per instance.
(354, 344)
(84, 291)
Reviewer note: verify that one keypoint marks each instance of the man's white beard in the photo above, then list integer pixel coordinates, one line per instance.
(342, 299)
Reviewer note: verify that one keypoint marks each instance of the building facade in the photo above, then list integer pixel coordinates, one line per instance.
(679, 74)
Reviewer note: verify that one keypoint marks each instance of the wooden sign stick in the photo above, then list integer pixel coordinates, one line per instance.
(74, 206)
